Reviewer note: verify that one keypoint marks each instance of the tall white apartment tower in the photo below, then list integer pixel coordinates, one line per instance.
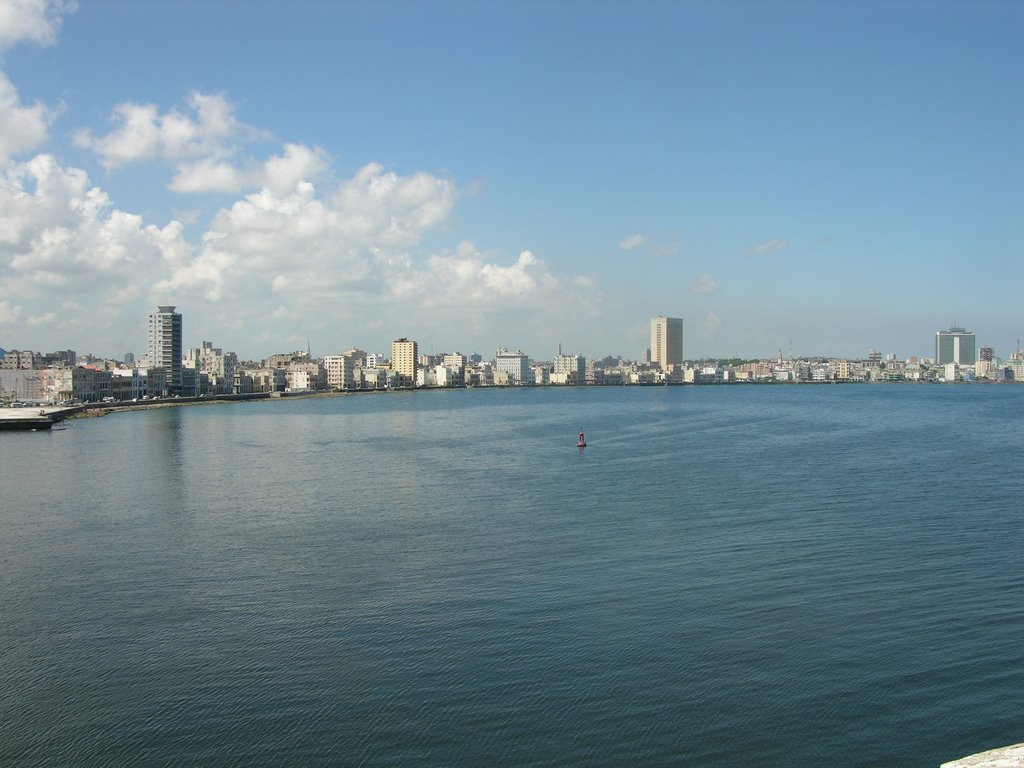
(666, 341)
(165, 345)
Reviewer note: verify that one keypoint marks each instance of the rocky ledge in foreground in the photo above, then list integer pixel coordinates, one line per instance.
(1004, 757)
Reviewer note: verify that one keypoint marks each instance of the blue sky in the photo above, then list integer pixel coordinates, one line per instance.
(821, 177)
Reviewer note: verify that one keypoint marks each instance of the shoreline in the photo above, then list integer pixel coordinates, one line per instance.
(94, 410)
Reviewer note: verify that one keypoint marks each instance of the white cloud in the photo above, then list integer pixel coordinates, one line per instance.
(50, 318)
(8, 315)
(208, 131)
(664, 249)
(72, 263)
(34, 20)
(283, 173)
(207, 176)
(22, 128)
(584, 281)
(60, 238)
(632, 242)
(704, 284)
(711, 324)
(467, 276)
(291, 241)
(652, 247)
(774, 245)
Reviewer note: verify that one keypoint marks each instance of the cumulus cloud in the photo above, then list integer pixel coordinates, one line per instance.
(774, 245)
(280, 173)
(207, 130)
(71, 262)
(283, 173)
(584, 281)
(61, 237)
(632, 242)
(32, 20)
(49, 318)
(704, 284)
(469, 277)
(22, 128)
(287, 239)
(295, 247)
(207, 176)
(711, 324)
(8, 314)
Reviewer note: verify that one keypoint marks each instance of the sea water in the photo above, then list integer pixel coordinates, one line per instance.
(725, 575)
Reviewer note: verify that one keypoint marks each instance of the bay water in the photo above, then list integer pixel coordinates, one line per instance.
(724, 576)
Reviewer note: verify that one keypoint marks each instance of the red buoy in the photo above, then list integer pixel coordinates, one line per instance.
(581, 443)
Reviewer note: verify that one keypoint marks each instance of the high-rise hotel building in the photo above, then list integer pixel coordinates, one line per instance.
(404, 355)
(955, 346)
(515, 364)
(666, 341)
(165, 345)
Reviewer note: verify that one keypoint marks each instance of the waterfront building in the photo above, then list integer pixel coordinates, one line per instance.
(286, 359)
(569, 369)
(1015, 366)
(666, 341)
(340, 371)
(265, 380)
(88, 385)
(130, 383)
(65, 358)
(439, 376)
(513, 365)
(22, 384)
(453, 360)
(373, 378)
(987, 354)
(404, 357)
(215, 363)
(357, 355)
(165, 345)
(956, 345)
(15, 360)
(309, 375)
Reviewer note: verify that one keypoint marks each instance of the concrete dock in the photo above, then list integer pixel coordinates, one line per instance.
(34, 417)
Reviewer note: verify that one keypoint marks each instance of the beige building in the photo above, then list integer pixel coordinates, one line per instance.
(340, 371)
(403, 360)
(666, 341)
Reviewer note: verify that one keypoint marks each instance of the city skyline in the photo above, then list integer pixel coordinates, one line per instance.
(820, 180)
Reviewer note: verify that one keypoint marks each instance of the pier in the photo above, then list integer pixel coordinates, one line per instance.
(35, 417)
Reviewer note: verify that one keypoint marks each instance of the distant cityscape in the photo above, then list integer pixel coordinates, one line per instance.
(169, 370)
